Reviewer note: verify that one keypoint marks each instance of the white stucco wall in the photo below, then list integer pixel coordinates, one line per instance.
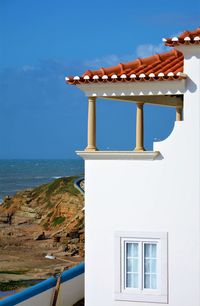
(160, 195)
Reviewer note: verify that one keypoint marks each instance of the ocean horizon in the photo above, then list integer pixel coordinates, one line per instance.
(21, 174)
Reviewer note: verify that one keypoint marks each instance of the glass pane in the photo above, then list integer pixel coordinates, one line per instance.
(129, 263)
(135, 280)
(132, 249)
(153, 265)
(135, 249)
(147, 250)
(131, 280)
(129, 249)
(132, 265)
(150, 265)
(147, 265)
(153, 281)
(153, 250)
(135, 265)
(147, 281)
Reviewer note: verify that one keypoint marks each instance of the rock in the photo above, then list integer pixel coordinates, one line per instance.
(64, 240)
(22, 222)
(74, 241)
(28, 200)
(73, 234)
(10, 233)
(56, 238)
(40, 236)
(56, 208)
(7, 198)
(74, 252)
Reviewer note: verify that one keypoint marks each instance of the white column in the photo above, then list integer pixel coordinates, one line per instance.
(139, 128)
(91, 146)
(179, 113)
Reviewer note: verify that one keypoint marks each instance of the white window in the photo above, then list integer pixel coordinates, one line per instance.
(141, 267)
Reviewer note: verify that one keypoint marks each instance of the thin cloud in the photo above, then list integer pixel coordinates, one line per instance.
(109, 60)
(27, 68)
(150, 49)
(146, 50)
(143, 50)
(36, 87)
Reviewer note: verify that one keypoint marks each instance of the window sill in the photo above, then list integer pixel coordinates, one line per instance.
(119, 155)
(149, 298)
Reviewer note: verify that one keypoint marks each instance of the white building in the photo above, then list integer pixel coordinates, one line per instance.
(143, 207)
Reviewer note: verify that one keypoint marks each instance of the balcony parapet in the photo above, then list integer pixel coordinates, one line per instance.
(119, 155)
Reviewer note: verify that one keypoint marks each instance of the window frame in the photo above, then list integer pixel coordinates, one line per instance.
(141, 294)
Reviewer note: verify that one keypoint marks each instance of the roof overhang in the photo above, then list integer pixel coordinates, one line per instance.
(173, 87)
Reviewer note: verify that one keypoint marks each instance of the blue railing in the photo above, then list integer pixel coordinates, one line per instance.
(43, 286)
(77, 184)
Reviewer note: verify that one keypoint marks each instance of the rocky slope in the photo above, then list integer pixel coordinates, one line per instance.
(45, 220)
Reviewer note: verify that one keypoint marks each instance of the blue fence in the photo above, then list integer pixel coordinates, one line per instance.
(77, 184)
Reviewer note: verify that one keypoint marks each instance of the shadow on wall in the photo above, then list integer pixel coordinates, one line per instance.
(159, 123)
(191, 85)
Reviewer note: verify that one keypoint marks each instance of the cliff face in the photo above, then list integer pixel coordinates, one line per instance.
(51, 205)
(46, 219)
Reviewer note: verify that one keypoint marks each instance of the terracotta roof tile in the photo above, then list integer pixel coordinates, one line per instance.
(155, 67)
(186, 38)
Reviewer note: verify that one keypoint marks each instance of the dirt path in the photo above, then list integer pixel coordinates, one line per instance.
(24, 258)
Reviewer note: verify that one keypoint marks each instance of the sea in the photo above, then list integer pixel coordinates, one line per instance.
(21, 174)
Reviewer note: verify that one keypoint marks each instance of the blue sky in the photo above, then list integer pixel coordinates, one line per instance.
(43, 41)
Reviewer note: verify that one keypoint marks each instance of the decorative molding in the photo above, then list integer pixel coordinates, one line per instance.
(134, 89)
(119, 155)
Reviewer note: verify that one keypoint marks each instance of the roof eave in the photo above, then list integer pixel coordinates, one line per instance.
(118, 80)
(169, 87)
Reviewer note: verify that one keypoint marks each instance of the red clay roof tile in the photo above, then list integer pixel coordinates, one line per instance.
(186, 38)
(156, 67)
(146, 69)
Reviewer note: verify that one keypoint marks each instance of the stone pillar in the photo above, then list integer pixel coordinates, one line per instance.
(139, 128)
(179, 113)
(91, 146)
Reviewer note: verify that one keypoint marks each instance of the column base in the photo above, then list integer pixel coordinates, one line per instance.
(139, 149)
(91, 149)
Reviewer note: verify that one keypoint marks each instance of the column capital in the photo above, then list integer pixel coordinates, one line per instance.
(140, 104)
(92, 98)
